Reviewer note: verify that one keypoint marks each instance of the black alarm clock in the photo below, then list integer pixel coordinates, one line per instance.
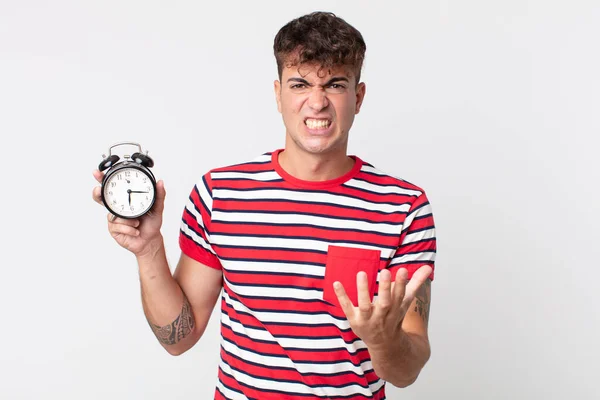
(129, 187)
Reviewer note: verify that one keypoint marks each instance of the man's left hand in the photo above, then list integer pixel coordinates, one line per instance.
(380, 322)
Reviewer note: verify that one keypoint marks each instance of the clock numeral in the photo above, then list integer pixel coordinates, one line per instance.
(149, 188)
(119, 177)
(113, 184)
(142, 204)
(146, 197)
(127, 173)
(144, 180)
(132, 208)
(114, 202)
(136, 175)
(110, 192)
(122, 207)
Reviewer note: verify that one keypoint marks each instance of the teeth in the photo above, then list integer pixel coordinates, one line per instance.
(317, 123)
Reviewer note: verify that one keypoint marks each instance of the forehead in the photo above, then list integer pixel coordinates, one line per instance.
(316, 73)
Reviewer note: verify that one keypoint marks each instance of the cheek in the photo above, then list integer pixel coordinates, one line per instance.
(345, 111)
(291, 106)
(296, 105)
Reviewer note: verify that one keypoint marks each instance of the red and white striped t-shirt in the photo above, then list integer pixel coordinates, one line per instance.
(281, 242)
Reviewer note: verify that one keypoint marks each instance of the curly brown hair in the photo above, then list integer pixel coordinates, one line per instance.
(319, 38)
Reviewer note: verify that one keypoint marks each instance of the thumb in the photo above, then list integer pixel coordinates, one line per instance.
(161, 193)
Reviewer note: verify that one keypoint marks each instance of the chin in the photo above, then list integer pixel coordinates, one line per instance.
(319, 146)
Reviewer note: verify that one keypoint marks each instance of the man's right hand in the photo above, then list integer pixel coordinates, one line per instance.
(140, 236)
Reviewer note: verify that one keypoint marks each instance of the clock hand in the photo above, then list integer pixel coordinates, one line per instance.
(129, 194)
(136, 191)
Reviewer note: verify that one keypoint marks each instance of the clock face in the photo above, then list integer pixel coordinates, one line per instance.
(129, 192)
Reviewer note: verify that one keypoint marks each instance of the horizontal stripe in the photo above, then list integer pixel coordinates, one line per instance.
(195, 213)
(284, 362)
(381, 189)
(431, 241)
(262, 159)
(292, 375)
(230, 394)
(290, 343)
(424, 226)
(419, 236)
(267, 266)
(421, 211)
(372, 170)
(303, 219)
(290, 243)
(309, 197)
(283, 317)
(325, 231)
(275, 395)
(283, 204)
(265, 176)
(192, 235)
(311, 212)
(270, 307)
(204, 194)
(302, 333)
(419, 256)
(279, 329)
(294, 207)
(297, 387)
(305, 232)
(276, 292)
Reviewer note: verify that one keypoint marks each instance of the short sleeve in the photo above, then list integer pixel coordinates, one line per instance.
(194, 234)
(417, 239)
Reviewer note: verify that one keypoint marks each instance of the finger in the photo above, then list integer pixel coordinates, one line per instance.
(96, 195)
(161, 193)
(122, 229)
(418, 278)
(123, 221)
(384, 294)
(98, 175)
(364, 299)
(344, 300)
(399, 286)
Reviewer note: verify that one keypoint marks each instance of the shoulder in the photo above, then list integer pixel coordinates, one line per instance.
(230, 176)
(383, 180)
(258, 163)
(259, 168)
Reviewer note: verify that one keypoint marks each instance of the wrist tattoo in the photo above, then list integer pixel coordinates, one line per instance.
(424, 300)
(178, 329)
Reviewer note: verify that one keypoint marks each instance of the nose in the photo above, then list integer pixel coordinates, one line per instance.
(318, 99)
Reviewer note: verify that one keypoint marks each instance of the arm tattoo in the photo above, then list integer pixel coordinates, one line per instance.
(178, 329)
(424, 300)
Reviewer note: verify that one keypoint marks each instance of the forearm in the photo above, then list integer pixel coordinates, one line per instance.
(401, 361)
(166, 308)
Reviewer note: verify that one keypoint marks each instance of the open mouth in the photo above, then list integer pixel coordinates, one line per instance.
(317, 123)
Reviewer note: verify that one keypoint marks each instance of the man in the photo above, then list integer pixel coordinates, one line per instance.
(312, 248)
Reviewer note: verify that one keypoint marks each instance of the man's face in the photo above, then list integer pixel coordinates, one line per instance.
(318, 111)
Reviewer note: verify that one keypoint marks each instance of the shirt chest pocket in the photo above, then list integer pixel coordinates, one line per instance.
(343, 263)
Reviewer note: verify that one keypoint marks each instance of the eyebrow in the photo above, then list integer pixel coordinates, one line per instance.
(329, 82)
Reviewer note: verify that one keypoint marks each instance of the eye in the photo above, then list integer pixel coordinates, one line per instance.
(336, 88)
(298, 86)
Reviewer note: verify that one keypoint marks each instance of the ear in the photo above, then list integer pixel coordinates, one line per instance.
(277, 89)
(361, 89)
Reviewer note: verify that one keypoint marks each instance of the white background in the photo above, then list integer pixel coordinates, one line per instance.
(491, 106)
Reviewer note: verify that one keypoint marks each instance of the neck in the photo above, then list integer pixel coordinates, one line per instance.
(315, 167)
